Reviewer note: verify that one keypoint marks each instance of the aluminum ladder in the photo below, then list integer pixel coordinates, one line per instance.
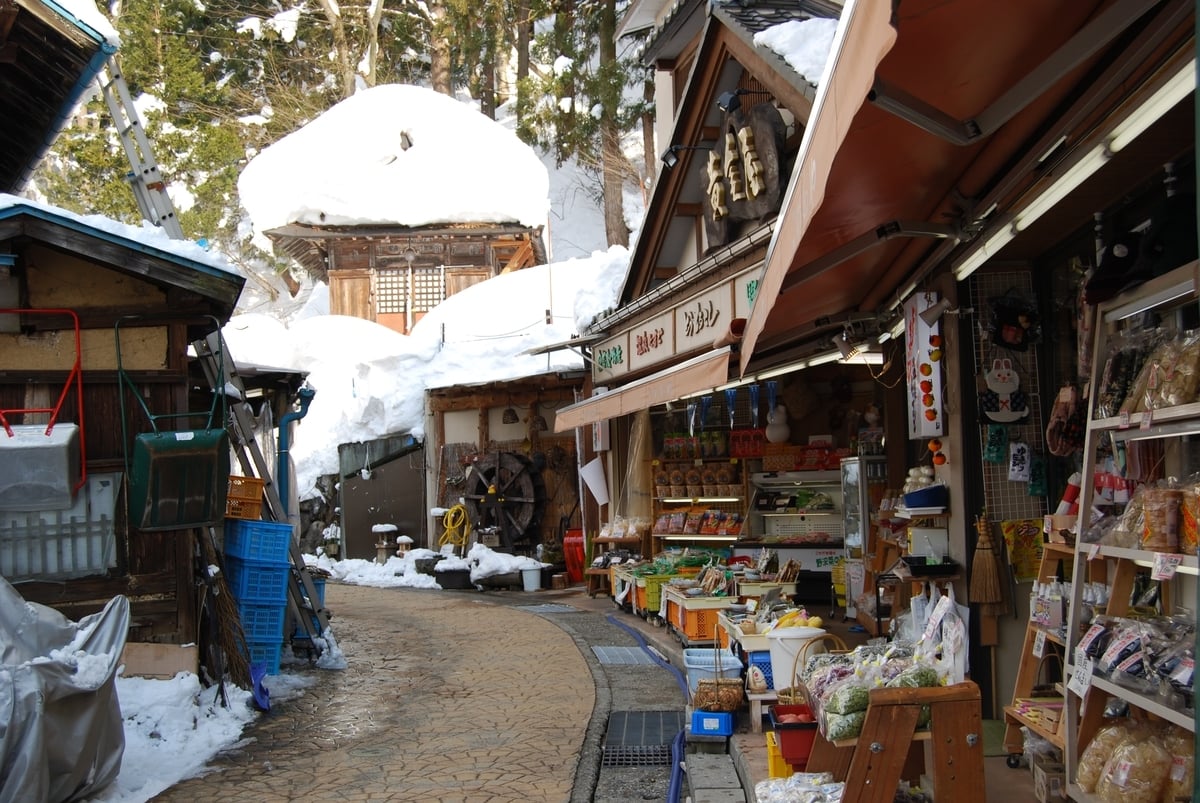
(304, 605)
(149, 187)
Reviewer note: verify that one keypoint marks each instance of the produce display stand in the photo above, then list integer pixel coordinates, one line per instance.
(873, 764)
(693, 620)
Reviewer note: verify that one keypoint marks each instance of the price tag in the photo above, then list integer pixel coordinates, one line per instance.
(1124, 422)
(1147, 419)
(1081, 678)
(1039, 644)
(1164, 566)
(1093, 551)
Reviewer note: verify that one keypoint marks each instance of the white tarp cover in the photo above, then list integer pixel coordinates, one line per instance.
(61, 732)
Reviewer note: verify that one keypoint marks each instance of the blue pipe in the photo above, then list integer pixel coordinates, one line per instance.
(281, 453)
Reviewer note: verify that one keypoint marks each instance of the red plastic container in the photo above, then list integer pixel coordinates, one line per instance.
(573, 552)
(795, 738)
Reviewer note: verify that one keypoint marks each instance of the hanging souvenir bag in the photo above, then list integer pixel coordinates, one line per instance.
(1015, 324)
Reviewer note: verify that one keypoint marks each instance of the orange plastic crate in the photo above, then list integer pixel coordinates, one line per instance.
(639, 597)
(244, 498)
(700, 625)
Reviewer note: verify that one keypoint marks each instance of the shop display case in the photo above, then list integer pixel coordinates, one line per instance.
(798, 514)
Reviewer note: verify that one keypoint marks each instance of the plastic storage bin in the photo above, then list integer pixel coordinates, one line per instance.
(712, 723)
(762, 660)
(776, 766)
(703, 664)
(266, 542)
(260, 585)
(266, 653)
(262, 622)
(244, 499)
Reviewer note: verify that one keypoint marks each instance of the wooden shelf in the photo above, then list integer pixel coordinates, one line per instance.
(1053, 736)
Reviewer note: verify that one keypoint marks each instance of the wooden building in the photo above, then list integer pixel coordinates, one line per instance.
(65, 530)
(394, 274)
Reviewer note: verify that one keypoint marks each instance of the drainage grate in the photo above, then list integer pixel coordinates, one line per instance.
(548, 608)
(622, 655)
(640, 738)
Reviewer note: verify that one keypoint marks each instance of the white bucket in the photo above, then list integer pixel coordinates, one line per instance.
(531, 579)
(785, 644)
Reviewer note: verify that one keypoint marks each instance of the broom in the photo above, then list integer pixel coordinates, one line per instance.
(231, 639)
(986, 587)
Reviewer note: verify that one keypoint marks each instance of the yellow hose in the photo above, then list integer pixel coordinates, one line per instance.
(456, 529)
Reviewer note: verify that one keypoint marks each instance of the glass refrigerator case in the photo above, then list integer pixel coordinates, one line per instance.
(864, 483)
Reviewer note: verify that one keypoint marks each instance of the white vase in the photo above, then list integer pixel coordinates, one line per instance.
(777, 430)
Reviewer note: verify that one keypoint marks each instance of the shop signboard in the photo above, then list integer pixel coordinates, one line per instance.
(610, 358)
(702, 319)
(652, 342)
(923, 368)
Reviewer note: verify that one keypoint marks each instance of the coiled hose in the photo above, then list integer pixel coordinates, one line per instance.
(456, 528)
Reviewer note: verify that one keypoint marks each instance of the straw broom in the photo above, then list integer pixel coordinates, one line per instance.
(986, 587)
(231, 640)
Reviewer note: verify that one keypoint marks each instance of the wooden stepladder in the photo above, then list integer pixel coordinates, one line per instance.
(873, 764)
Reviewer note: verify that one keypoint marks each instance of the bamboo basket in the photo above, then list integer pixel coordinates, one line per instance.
(719, 693)
(796, 693)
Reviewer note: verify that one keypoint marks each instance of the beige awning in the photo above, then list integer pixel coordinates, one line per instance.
(866, 37)
(693, 376)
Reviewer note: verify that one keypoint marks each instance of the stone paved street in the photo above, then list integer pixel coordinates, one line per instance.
(451, 696)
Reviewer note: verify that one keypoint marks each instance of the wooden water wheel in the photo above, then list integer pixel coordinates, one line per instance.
(505, 490)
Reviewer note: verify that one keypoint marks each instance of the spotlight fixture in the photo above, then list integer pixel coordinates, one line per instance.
(931, 315)
(847, 349)
(729, 102)
(670, 157)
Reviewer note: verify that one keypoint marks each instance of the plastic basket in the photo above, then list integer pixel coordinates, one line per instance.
(252, 583)
(265, 542)
(262, 622)
(712, 723)
(776, 766)
(265, 653)
(244, 499)
(762, 659)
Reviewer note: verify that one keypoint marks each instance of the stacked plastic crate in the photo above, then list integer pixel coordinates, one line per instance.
(258, 569)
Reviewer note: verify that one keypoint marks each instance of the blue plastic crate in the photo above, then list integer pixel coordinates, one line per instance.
(703, 664)
(259, 585)
(301, 633)
(319, 587)
(266, 653)
(262, 622)
(712, 723)
(266, 542)
(762, 659)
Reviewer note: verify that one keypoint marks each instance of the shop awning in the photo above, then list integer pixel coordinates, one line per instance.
(693, 376)
(923, 115)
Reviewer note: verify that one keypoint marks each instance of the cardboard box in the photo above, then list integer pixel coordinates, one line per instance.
(1049, 780)
(159, 661)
